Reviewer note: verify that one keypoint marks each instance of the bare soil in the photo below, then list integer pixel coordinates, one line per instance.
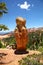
(4, 36)
(12, 59)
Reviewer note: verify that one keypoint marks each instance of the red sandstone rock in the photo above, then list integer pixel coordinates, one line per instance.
(21, 34)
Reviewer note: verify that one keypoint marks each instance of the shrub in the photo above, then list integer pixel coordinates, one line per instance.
(31, 60)
(35, 40)
(0, 44)
(9, 41)
(40, 49)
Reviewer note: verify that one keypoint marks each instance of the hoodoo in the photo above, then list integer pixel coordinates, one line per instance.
(21, 33)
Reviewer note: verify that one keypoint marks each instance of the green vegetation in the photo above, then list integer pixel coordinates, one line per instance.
(35, 40)
(40, 49)
(1, 45)
(3, 27)
(9, 41)
(3, 8)
(32, 60)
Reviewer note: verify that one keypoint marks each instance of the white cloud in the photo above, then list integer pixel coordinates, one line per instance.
(24, 6)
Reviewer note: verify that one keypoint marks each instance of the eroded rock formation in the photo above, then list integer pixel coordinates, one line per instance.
(21, 33)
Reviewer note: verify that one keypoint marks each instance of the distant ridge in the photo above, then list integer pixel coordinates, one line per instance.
(29, 30)
(4, 33)
(35, 29)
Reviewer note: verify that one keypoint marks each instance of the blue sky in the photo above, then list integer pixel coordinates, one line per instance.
(31, 10)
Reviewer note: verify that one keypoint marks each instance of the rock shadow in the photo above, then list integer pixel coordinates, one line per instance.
(19, 52)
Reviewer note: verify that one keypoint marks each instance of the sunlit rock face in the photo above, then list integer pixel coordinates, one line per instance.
(21, 33)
